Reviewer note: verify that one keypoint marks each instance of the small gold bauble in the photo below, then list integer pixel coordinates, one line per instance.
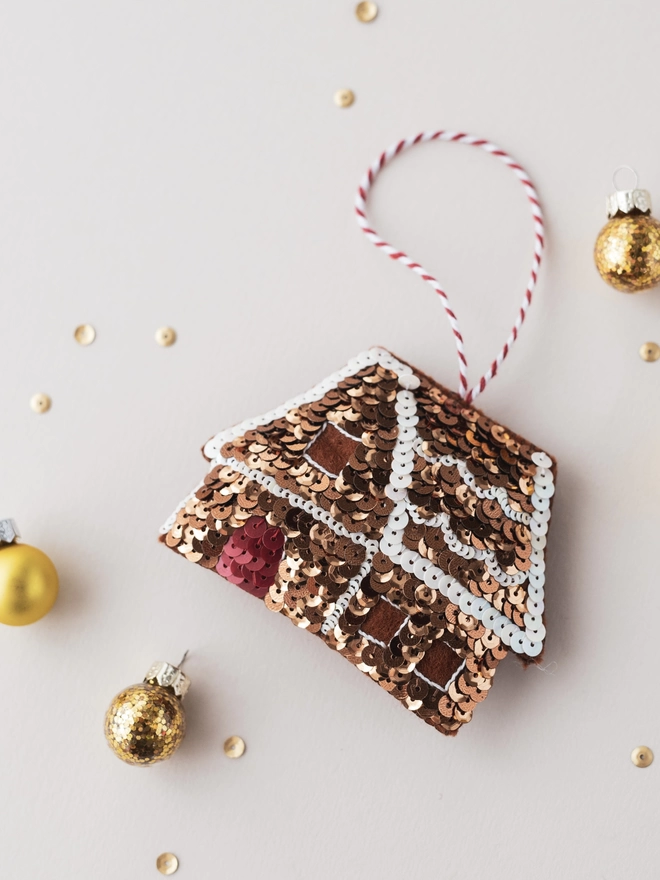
(627, 252)
(28, 584)
(145, 724)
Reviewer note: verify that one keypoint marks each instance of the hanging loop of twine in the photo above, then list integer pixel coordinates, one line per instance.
(467, 393)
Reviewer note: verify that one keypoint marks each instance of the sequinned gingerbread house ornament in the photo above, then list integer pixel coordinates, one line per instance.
(385, 515)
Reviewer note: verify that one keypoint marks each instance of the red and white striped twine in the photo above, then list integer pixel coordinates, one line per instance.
(468, 394)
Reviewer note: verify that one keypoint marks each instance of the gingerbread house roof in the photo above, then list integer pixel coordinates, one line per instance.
(407, 473)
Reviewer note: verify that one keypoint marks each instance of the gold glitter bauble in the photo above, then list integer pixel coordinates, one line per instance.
(28, 584)
(627, 252)
(145, 724)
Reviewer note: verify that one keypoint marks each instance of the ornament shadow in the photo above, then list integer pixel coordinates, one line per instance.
(74, 599)
(202, 733)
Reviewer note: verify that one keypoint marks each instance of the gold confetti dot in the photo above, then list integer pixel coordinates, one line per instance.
(167, 863)
(642, 756)
(366, 11)
(650, 351)
(84, 334)
(344, 97)
(40, 403)
(165, 336)
(234, 747)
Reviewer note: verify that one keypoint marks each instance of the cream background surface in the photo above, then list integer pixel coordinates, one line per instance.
(184, 164)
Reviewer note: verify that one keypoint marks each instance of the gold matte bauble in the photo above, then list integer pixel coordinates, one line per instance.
(28, 584)
(627, 252)
(145, 724)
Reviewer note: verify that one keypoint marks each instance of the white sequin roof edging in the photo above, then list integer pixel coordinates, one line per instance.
(365, 359)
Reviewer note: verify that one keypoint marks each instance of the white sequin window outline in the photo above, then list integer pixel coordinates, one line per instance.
(450, 681)
(416, 671)
(376, 641)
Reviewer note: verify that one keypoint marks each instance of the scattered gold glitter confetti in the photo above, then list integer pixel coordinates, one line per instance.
(84, 334)
(40, 403)
(167, 863)
(642, 756)
(366, 11)
(234, 747)
(650, 352)
(344, 97)
(165, 336)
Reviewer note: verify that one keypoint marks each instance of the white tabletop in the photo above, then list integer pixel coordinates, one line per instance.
(183, 164)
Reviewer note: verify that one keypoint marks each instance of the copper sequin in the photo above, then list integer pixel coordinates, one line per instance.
(433, 657)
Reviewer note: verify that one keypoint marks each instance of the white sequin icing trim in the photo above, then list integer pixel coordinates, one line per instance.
(496, 493)
(403, 459)
(318, 513)
(376, 641)
(365, 359)
(392, 545)
(342, 603)
(467, 551)
(322, 516)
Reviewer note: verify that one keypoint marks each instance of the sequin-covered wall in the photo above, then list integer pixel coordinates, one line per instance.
(179, 254)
